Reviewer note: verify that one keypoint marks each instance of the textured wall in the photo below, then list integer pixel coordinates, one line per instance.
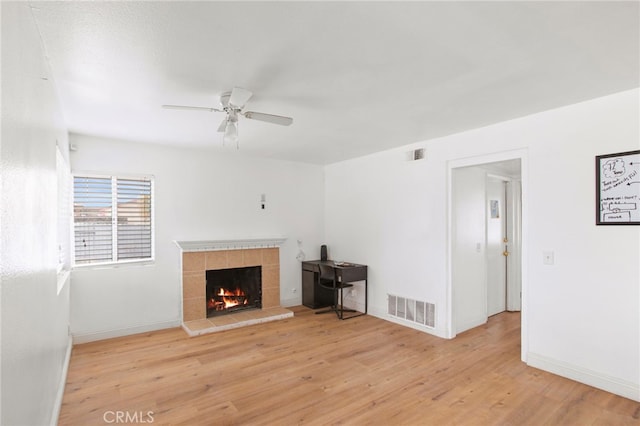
(35, 316)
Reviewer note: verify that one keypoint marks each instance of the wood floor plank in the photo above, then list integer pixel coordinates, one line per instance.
(317, 370)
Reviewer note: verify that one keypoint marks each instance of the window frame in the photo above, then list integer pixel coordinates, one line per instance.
(114, 177)
(64, 184)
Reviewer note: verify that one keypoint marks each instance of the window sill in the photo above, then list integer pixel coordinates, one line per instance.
(113, 265)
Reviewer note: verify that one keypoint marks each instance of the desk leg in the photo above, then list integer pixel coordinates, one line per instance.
(366, 302)
(366, 295)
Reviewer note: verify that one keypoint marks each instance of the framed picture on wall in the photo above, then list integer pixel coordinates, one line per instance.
(495, 209)
(618, 188)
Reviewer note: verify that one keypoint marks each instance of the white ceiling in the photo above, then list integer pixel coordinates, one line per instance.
(357, 77)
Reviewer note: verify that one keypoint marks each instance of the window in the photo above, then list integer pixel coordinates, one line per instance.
(113, 218)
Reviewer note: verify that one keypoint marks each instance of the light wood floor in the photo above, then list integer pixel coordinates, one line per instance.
(315, 369)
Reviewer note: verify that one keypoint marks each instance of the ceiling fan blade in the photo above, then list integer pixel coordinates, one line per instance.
(191, 108)
(269, 118)
(223, 125)
(239, 97)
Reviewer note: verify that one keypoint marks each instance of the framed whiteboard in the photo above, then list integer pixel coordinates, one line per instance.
(618, 188)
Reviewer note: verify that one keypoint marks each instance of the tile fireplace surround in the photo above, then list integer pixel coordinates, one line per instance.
(197, 257)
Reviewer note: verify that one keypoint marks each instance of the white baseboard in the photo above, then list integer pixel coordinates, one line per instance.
(79, 338)
(588, 377)
(57, 404)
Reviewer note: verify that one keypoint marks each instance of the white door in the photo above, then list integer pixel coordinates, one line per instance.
(496, 246)
(468, 248)
(504, 281)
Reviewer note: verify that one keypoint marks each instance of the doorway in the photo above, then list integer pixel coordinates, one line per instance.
(485, 240)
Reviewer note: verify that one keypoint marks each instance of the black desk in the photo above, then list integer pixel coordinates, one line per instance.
(314, 296)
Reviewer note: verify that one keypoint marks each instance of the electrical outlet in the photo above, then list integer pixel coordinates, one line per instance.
(294, 290)
(548, 258)
(353, 292)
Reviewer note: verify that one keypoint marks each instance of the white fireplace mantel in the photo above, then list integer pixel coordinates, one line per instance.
(237, 244)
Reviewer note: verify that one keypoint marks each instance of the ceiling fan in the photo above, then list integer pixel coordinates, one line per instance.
(233, 104)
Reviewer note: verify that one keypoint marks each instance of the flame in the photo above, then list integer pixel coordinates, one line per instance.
(226, 299)
(225, 292)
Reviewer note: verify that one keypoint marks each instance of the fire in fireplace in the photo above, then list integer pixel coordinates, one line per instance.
(235, 289)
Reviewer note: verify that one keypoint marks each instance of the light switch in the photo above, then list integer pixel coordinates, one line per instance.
(547, 258)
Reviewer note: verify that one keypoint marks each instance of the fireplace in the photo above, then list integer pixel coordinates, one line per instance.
(198, 257)
(233, 289)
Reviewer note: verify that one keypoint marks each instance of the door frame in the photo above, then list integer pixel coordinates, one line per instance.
(522, 155)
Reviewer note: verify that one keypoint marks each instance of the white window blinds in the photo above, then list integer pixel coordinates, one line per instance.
(134, 219)
(112, 219)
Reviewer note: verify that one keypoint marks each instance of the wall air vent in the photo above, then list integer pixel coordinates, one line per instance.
(418, 154)
(417, 311)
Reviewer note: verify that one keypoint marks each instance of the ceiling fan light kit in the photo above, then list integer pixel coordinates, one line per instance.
(231, 134)
(233, 104)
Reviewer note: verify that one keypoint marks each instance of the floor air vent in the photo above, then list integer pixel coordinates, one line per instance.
(423, 313)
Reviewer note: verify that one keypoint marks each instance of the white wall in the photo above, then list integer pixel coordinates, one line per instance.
(34, 316)
(581, 314)
(199, 195)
